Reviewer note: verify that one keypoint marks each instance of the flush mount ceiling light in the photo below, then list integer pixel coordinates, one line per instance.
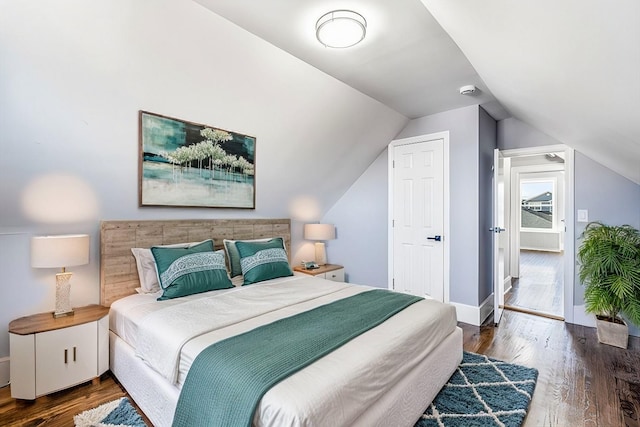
(341, 28)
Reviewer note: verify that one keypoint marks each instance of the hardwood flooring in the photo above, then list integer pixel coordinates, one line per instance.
(580, 383)
(58, 409)
(540, 285)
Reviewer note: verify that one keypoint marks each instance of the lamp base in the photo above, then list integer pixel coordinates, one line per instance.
(321, 253)
(65, 314)
(63, 294)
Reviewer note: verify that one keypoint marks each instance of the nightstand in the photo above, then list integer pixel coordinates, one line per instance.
(49, 354)
(328, 271)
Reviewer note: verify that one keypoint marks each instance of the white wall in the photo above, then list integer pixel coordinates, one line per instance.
(74, 75)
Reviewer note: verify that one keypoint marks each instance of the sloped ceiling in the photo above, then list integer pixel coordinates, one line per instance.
(570, 69)
(407, 61)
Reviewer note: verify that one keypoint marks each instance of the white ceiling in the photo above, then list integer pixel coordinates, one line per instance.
(570, 69)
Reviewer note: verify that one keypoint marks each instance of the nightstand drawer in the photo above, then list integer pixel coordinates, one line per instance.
(335, 275)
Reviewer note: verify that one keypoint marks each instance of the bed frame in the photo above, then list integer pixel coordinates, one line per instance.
(118, 272)
(400, 406)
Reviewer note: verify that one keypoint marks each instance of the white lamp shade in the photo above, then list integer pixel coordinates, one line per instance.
(59, 251)
(319, 232)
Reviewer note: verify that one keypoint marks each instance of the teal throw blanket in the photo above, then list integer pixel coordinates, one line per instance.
(227, 379)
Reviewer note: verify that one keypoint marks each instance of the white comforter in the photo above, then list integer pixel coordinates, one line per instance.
(168, 335)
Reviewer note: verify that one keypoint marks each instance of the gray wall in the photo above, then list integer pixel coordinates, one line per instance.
(462, 125)
(71, 85)
(487, 143)
(361, 217)
(512, 133)
(609, 198)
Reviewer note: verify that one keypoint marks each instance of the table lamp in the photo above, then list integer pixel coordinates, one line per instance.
(60, 252)
(320, 232)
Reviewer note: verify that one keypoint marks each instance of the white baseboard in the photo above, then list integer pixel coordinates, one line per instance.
(507, 284)
(474, 315)
(4, 371)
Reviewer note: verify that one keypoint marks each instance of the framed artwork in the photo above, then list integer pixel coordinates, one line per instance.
(187, 164)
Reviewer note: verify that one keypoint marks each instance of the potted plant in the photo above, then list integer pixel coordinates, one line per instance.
(609, 259)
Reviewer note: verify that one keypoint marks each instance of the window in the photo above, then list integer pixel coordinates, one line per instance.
(536, 204)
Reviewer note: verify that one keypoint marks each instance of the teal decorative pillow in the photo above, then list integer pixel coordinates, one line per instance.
(187, 271)
(234, 257)
(263, 260)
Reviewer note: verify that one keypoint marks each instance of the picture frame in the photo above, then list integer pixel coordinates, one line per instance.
(187, 164)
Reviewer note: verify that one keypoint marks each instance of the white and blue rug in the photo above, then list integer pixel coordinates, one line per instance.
(117, 413)
(482, 392)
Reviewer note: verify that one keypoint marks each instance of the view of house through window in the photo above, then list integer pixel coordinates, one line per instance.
(536, 204)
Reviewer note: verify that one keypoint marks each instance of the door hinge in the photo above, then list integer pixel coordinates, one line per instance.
(393, 223)
(393, 164)
(393, 283)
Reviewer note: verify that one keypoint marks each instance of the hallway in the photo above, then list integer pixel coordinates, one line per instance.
(540, 286)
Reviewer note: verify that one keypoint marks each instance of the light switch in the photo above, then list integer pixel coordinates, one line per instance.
(583, 215)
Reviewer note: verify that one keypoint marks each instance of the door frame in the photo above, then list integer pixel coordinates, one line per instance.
(569, 209)
(444, 136)
(498, 227)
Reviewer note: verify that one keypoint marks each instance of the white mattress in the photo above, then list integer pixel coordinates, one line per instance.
(336, 388)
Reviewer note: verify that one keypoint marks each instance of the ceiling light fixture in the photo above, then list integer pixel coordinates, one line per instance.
(341, 28)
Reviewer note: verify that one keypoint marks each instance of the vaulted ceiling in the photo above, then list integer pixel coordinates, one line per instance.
(570, 69)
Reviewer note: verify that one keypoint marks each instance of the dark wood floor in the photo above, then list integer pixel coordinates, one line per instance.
(580, 383)
(540, 285)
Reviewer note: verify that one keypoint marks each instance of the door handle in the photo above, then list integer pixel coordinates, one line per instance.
(436, 238)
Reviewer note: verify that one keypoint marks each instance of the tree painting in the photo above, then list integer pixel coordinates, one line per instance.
(189, 164)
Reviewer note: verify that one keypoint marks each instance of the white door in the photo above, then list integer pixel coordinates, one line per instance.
(499, 240)
(418, 218)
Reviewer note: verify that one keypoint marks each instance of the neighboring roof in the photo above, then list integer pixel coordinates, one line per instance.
(531, 219)
(544, 197)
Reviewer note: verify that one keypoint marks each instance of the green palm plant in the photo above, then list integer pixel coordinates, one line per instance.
(609, 259)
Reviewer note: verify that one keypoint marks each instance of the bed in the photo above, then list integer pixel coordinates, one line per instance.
(387, 376)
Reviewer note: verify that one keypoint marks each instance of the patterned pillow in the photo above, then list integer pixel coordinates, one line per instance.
(187, 271)
(146, 265)
(263, 260)
(234, 257)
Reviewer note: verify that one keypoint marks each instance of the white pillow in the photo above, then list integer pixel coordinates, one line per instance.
(146, 264)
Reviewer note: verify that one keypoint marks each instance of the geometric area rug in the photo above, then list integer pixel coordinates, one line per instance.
(117, 413)
(482, 392)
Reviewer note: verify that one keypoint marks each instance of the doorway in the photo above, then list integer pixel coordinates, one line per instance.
(538, 265)
(418, 206)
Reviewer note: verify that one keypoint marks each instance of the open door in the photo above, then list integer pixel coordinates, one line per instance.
(499, 242)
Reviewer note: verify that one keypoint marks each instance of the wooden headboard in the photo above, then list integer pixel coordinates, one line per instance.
(118, 272)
